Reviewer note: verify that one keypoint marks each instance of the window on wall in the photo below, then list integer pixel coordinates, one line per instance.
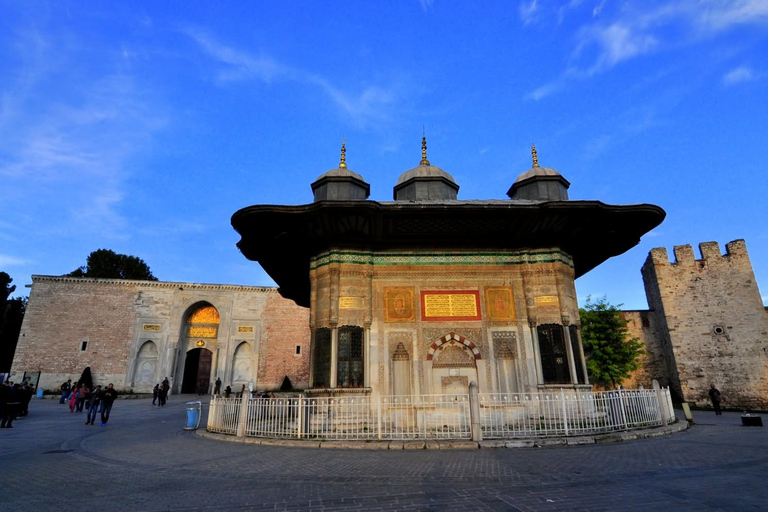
(83, 345)
(321, 355)
(554, 358)
(576, 353)
(350, 358)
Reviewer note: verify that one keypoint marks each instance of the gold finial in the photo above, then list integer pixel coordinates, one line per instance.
(535, 157)
(343, 164)
(424, 160)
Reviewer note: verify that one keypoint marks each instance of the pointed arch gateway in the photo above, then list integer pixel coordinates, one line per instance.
(454, 364)
(201, 331)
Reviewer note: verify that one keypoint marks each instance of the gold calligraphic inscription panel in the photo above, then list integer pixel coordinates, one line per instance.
(453, 305)
(151, 327)
(398, 305)
(245, 329)
(500, 304)
(351, 303)
(203, 331)
(546, 300)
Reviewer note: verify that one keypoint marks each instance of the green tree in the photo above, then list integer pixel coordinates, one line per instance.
(5, 291)
(610, 352)
(107, 264)
(11, 317)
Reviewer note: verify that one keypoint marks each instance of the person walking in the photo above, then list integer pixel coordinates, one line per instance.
(106, 404)
(166, 387)
(217, 388)
(155, 393)
(93, 408)
(73, 397)
(5, 395)
(85, 395)
(11, 406)
(65, 387)
(714, 395)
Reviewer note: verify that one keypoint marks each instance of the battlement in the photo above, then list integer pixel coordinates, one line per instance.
(710, 253)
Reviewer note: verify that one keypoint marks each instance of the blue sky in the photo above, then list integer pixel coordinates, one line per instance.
(142, 127)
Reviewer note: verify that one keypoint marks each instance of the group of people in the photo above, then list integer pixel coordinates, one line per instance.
(160, 392)
(14, 401)
(96, 401)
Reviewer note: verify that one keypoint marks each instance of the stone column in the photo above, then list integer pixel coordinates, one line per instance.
(569, 350)
(536, 352)
(334, 355)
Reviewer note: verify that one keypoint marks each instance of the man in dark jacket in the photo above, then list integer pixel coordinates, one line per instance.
(714, 395)
(65, 387)
(106, 403)
(96, 397)
(11, 405)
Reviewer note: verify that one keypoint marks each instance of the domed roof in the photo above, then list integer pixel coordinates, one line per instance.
(537, 171)
(340, 172)
(539, 183)
(425, 182)
(425, 170)
(340, 184)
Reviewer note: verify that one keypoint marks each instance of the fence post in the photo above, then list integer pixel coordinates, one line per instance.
(378, 415)
(243, 417)
(623, 409)
(565, 410)
(661, 405)
(300, 416)
(474, 412)
(211, 413)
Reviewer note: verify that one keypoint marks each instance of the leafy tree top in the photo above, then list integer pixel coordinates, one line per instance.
(107, 264)
(610, 352)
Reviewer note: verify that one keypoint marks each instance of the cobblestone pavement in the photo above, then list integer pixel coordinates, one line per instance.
(144, 461)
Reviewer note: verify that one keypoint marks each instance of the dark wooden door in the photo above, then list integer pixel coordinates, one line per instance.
(204, 369)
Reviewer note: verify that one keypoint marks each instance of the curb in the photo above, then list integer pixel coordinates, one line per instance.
(454, 444)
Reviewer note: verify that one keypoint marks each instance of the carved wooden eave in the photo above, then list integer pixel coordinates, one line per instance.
(284, 238)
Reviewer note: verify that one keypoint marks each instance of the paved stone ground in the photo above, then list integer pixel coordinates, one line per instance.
(144, 461)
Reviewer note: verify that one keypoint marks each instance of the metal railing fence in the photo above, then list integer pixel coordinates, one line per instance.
(525, 415)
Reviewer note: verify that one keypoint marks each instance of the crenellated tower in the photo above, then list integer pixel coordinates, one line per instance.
(714, 325)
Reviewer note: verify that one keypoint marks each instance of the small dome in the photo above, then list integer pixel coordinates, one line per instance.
(425, 182)
(537, 171)
(424, 171)
(340, 173)
(341, 184)
(539, 184)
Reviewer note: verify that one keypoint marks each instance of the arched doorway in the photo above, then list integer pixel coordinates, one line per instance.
(197, 370)
(201, 331)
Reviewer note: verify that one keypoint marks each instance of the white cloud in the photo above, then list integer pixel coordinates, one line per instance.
(545, 90)
(621, 32)
(67, 154)
(718, 15)
(11, 261)
(738, 75)
(369, 103)
(241, 65)
(426, 4)
(615, 43)
(528, 11)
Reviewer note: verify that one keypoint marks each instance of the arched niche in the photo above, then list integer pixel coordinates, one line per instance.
(145, 369)
(242, 364)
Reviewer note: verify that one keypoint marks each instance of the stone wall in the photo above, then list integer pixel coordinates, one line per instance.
(655, 363)
(61, 315)
(711, 323)
(117, 317)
